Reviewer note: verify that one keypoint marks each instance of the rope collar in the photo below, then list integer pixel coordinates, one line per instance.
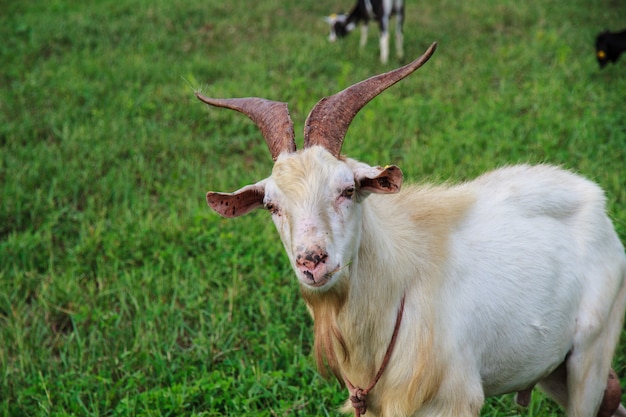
(358, 396)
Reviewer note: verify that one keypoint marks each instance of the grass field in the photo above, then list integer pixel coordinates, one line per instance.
(122, 294)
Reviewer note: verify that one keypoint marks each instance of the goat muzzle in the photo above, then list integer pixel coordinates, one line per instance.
(312, 264)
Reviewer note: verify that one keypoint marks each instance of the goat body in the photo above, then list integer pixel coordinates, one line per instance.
(609, 46)
(362, 12)
(514, 279)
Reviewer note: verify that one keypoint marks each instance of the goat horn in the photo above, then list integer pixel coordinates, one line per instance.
(272, 118)
(329, 120)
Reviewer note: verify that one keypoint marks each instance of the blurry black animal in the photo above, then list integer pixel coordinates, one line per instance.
(609, 46)
(364, 10)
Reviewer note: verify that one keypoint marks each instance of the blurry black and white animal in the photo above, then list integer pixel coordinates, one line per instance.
(609, 46)
(364, 10)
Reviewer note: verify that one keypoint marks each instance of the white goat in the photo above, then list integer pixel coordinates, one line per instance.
(362, 12)
(514, 279)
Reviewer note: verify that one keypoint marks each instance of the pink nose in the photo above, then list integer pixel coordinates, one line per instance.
(311, 260)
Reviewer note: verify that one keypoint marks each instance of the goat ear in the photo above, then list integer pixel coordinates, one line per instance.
(238, 203)
(387, 180)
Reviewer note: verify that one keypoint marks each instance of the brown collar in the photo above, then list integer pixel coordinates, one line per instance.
(358, 396)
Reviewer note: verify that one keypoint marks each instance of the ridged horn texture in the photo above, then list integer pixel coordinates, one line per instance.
(329, 120)
(272, 118)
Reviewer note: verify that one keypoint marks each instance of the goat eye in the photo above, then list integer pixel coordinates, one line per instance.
(272, 208)
(348, 192)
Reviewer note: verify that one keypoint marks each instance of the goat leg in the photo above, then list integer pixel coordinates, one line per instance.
(523, 397)
(611, 402)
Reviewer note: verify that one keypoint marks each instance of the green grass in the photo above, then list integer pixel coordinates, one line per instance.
(122, 294)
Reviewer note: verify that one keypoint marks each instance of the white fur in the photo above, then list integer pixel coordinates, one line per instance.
(513, 279)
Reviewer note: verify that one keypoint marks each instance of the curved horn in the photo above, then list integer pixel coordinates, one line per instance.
(272, 117)
(329, 120)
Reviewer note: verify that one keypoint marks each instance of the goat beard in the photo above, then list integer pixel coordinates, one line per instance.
(328, 339)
